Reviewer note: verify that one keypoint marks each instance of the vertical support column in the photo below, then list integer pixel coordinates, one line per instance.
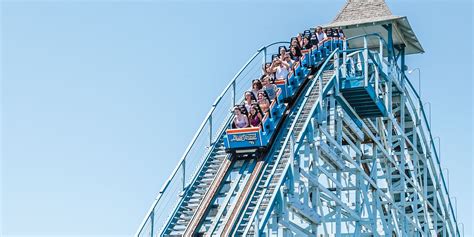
(366, 62)
(373, 203)
(184, 174)
(402, 66)
(338, 206)
(435, 200)
(152, 227)
(359, 190)
(305, 164)
(314, 160)
(425, 194)
(389, 28)
(344, 59)
(264, 56)
(233, 94)
(256, 227)
(381, 54)
(391, 63)
(337, 70)
(402, 165)
(273, 230)
(210, 131)
(320, 93)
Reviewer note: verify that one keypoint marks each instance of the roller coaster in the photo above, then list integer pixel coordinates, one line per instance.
(351, 154)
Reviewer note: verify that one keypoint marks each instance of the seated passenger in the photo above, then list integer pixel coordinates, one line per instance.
(328, 33)
(256, 87)
(255, 116)
(240, 120)
(321, 35)
(295, 53)
(294, 42)
(306, 43)
(249, 100)
(341, 35)
(263, 101)
(280, 68)
(288, 59)
(267, 71)
(282, 53)
(314, 38)
(299, 37)
(335, 34)
(269, 88)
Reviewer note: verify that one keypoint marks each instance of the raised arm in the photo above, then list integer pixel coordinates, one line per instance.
(285, 64)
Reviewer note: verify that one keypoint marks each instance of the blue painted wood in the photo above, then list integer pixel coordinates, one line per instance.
(363, 99)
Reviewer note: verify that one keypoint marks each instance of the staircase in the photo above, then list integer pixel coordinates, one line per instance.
(363, 98)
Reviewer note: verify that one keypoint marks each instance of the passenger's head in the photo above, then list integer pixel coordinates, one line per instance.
(265, 80)
(341, 33)
(319, 29)
(305, 40)
(294, 42)
(282, 51)
(257, 85)
(253, 110)
(248, 96)
(237, 111)
(293, 50)
(262, 95)
(276, 61)
(268, 68)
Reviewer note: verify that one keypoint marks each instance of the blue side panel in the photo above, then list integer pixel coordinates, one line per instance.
(352, 83)
(284, 92)
(244, 140)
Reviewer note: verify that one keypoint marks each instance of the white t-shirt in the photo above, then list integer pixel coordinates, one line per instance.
(281, 72)
(321, 36)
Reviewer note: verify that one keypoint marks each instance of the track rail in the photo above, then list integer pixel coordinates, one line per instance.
(190, 229)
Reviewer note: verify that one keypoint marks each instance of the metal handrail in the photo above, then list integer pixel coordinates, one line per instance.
(208, 117)
(428, 127)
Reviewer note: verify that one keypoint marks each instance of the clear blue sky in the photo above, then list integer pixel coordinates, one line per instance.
(100, 99)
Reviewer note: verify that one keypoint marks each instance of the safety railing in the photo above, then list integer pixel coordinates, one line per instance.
(357, 65)
(382, 46)
(203, 142)
(366, 61)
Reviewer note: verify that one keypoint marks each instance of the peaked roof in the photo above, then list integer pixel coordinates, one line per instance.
(363, 11)
(359, 17)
